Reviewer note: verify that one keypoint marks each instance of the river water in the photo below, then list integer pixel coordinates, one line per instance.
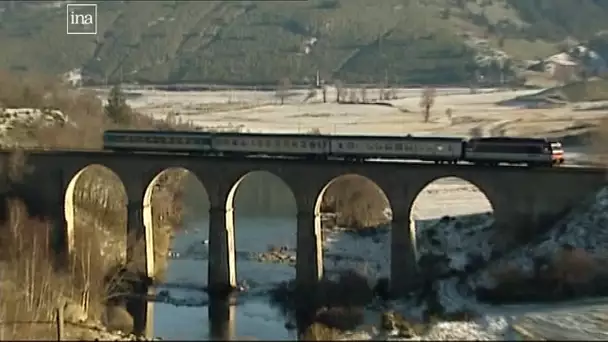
(266, 215)
(253, 316)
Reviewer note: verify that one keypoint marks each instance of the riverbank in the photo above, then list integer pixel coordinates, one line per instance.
(28, 247)
(457, 250)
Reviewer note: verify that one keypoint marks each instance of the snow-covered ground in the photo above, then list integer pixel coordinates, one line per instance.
(260, 111)
(460, 240)
(466, 237)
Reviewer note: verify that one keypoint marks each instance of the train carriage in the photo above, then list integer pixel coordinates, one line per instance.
(312, 146)
(438, 149)
(514, 150)
(488, 151)
(148, 140)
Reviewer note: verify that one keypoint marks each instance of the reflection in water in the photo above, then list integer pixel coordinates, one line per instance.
(222, 318)
(142, 312)
(253, 316)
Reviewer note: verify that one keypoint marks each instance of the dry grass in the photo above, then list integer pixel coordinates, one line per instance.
(335, 305)
(31, 287)
(99, 195)
(574, 266)
(100, 204)
(568, 273)
(320, 332)
(358, 202)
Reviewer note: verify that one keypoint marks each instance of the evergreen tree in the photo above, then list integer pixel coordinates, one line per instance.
(117, 108)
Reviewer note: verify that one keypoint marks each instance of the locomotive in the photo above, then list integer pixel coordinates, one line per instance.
(484, 151)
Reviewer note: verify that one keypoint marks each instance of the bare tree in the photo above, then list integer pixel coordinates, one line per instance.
(476, 132)
(427, 100)
(324, 92)
(392, 93)
(352, 96)
(363, 92)
(381, 91)
(283, 89)
(339, 90)
(312, 93)
(448, 114)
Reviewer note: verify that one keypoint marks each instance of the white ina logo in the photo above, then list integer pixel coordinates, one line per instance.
(81, 19)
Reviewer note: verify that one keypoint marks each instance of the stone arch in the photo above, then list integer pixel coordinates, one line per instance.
(354, 178)
(454, 186)
(151, 244)
(486, 193)
(232, 208)
(353, 182)
(270, 175)
(70, 202)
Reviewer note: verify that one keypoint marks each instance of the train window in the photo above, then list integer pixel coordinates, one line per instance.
(294, 144)
(303, 144)
(351, 145)
(235, 142)
(277, 143)
(312, 144)
(340, 145)
(399, 146)
(388, 147)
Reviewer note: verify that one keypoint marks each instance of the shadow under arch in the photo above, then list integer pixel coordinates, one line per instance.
(150, 217)
(357, 197)
(261, 192)
(71, 200)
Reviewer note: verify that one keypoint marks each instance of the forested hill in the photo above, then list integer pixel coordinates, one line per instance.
(261, 42)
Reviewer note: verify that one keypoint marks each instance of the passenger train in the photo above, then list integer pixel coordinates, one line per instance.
(485, 151)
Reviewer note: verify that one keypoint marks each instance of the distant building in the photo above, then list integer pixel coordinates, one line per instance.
(561, 67)
(73, 77)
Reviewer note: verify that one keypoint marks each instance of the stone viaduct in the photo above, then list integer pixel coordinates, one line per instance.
(523, 199)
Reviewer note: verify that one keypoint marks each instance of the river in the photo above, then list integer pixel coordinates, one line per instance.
(265, 215)
(254, 317)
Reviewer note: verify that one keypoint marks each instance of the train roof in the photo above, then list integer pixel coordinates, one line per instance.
(150, 131)
(349, 136)
(288, 135)
(510, 139)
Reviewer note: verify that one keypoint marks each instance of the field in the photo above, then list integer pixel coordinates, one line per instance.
(470, 113)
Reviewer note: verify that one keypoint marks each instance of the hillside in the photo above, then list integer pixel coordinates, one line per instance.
(260, 42)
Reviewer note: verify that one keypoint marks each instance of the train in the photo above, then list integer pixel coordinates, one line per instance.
(489, 151)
